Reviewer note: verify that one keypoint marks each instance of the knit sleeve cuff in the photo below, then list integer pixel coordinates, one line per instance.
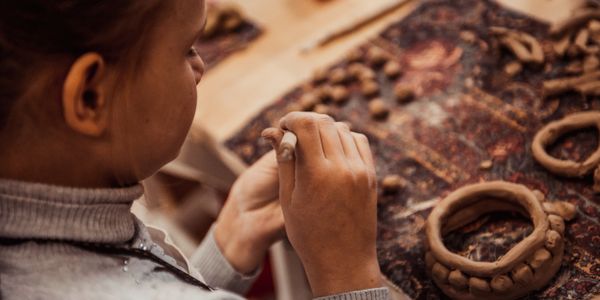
(370, 294)
(217, 271)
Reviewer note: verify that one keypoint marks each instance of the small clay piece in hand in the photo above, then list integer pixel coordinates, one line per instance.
(369, 88)
(376, 56)
(392, 184)
(513, 68)
(378, 109)
(404, 93)
(339, 94)
(392, 69)
(338, 75)
(308, 101)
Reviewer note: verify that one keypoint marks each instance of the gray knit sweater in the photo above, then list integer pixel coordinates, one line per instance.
(69, 243)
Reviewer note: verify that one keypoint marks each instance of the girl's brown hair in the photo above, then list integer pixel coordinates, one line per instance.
(35, 33)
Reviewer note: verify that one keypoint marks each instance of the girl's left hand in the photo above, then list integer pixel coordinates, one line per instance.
(251, 220)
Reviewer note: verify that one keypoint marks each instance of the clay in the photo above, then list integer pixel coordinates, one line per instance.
(557, 223)
(565, 210)
(539, 258)
(392, 183)
(287, 147)
(513, 68)
(322, 109)
(590, 63)
(355, 69)
(553, 240)
(457, 279)
(376, 56)
(320, 75)
(354, 55)
(367, 74)
(539, 195)
(338, 76)
(429, 260)
(512, 275)
(308, 101)
(552, 131)
(440, 272)
(523, 45)
(478, 285)
(468, 36)
(339, 94)
(562, 85)
(581, 39)
(596, 187)
(323, 93)
(222, 17)
(522, 274)
(392, 69)
(501, 284)
(378, 109)
(560, 46)
(486, 164)
(574, 68)
(369, 88)
(403, 93)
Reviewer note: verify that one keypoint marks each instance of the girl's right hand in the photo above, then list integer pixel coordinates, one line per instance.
(329, 201)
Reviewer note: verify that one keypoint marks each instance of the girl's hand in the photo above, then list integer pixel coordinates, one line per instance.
(329, 201)
(251, 220)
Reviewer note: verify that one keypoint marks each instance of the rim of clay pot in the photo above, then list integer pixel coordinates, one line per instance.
(554, 130)
(466, 196)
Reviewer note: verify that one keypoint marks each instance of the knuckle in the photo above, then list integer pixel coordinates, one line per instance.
(361, 137)
(342, 126)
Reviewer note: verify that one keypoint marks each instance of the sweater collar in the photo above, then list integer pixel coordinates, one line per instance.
(40, 211)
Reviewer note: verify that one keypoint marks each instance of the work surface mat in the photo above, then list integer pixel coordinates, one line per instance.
(466, 111)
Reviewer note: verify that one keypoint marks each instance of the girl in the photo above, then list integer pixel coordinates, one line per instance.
(95, 96)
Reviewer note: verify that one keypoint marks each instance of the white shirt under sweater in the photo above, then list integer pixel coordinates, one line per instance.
(52, 242)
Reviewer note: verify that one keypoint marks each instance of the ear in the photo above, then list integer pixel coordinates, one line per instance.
(84, 99)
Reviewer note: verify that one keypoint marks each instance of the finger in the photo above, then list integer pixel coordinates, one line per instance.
(362, 143)
(306, 127)
(348, 143)
(330, 139)
(287, 168)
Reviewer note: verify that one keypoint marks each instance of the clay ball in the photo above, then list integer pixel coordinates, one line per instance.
(337, 76)
(392, 183)
(376, 56)
(339, 94)
(369, 88)
(404, 93)
(378, 109)
(392, 69)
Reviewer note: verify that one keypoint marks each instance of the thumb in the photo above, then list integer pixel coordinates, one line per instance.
(287, 168)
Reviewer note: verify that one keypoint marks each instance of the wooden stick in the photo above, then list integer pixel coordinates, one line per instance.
(354, 26)
(287, 148)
